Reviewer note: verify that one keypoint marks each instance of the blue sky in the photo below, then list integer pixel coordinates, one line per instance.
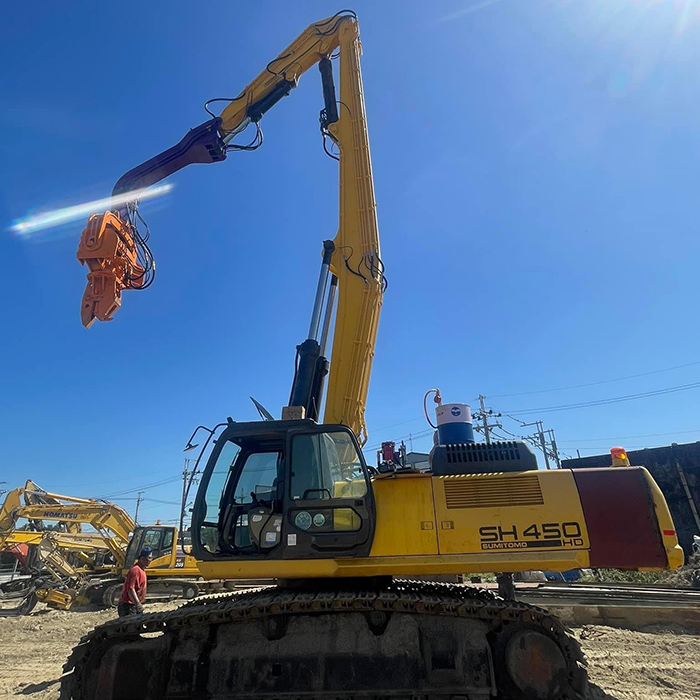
(535, 170)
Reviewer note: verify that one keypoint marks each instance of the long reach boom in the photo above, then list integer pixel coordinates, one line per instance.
(119, 258)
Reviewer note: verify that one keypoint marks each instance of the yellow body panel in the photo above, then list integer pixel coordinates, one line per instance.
(405, 516)
(55, 598)
(173, 564)
(476, 523)
(504, 512)
(394, 566)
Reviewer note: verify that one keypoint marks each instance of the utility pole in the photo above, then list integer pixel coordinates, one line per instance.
(540, 441)
(186, 476)
(186, 473)
(543, 442)
(139, 498)
(483, 415)
(484, 420)
(555, 449)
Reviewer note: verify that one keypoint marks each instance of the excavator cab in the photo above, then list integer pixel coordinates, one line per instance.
(159, 538)
(287, 489)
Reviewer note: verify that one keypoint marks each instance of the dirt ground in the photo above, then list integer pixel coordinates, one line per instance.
(655, 665)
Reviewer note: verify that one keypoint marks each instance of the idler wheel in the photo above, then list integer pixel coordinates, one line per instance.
(533, 665)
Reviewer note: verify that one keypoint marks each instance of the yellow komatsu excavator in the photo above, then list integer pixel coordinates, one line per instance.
(294, 500)
(74, 559)
(55, 559)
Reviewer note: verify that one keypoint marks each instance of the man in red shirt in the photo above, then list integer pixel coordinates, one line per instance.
(134, 591)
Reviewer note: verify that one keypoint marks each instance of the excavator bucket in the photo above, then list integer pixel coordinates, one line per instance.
(108, 248)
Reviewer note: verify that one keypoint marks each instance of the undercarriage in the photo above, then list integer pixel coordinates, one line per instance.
(394, 639)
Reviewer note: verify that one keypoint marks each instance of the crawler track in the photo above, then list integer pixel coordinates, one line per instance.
(405, 639)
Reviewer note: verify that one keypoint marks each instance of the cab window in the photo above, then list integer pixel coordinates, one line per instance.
(326, 466)
(258, 478)
(152, 538)
(218, 480)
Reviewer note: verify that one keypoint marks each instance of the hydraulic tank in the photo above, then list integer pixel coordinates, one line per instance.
(454, 422)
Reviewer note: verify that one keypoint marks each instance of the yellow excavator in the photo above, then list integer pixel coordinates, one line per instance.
(53, 560)
(294, 500)
(78, 570)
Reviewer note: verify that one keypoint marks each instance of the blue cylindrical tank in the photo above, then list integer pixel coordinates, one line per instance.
(454, 421)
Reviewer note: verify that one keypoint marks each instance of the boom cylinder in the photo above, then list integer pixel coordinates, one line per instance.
(312, 366)
(332, 290)
(328, 248)
(308, 356)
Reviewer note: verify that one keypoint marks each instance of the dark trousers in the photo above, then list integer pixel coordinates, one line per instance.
(124, 609)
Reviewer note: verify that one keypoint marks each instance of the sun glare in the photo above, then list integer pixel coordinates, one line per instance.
(58, 217)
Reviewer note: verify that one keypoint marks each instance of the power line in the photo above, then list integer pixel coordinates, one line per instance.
(414, 436)
(150, 506)
(633, 437)
(72, 485)
(584, 404)
(135, 489)
(569, 407)
(627, 447)
(602, 381)
(601, 402)
(394, 425)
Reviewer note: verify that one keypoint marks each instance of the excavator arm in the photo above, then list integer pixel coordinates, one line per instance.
(118, 258)
(113, 524)
(32, 494)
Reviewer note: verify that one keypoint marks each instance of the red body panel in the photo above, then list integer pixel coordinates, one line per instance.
(620, 518)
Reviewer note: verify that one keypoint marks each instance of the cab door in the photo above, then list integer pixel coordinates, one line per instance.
(329, 506)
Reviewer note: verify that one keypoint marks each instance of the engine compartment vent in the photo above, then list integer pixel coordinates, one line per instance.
(481, 458)
(487, 491)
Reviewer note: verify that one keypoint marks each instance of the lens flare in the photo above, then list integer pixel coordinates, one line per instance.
(79, 211)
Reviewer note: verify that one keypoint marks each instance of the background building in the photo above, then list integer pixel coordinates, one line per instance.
(418, 460)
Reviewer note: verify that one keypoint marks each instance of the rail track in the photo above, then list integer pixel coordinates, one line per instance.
(609, 594)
